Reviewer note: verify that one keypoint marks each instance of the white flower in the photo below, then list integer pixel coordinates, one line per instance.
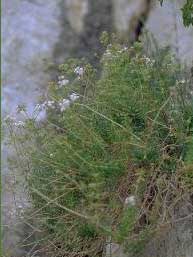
(79, 71)
(65, 103)
(147, 60)
(9, 118)
(130, 201)
(123, 49)
(107, 52)
(182, 81)
(48, 104)
(61, 77)
(63, 82)
(19, 124)
(51, 155)
(74, 97)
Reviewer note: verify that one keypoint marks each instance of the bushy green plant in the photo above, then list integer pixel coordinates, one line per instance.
(137, 111)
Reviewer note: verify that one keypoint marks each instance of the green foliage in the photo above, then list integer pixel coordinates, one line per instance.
(127, 223)
(187, 13)
(189, 154)
(135, 112)
(187, 175)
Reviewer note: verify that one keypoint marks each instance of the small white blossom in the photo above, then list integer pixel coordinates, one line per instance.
(19, 123)
(63, 82)
(107, 52)
(79, 71)
(9, 118)
(130, 201)
(148, 61)
(182, 81)
(51, 155)
(74, 97)
(123, 49)
(65, 103)
(61, 77)
(48, 104)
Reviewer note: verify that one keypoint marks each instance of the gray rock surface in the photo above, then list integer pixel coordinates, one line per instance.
(166, 25)
(178, 240)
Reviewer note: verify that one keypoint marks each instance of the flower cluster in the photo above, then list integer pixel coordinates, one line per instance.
(123, 49)
(13, 121)
(74, 97)
(148, 61)
(48, 104)
(62, 81)
(9, 119)
(182, 81)
(79, 71)
(65, 103)
(19, 123)
(107, 53)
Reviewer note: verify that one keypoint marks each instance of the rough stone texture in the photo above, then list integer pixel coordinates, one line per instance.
(29, 33)
(175, 240)
(113, 250)
(178, 240)
(76, 11)
(124, 11)
(166, 25)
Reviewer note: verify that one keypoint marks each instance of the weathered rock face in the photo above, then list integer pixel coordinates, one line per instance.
(124, 11)
(163, 22)
(35, 34)
(76, 11)
(174, 240)
(30, 31)
(128, 16)
(166, 25)
(178, 240)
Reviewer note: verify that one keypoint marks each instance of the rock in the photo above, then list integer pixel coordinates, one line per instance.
(130, 201)
(177, 241)
(76, 11)
(163, 22)
(113, 250)
(166, 25)
(124, 11)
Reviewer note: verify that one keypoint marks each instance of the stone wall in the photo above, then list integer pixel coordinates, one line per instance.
(163, 22)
